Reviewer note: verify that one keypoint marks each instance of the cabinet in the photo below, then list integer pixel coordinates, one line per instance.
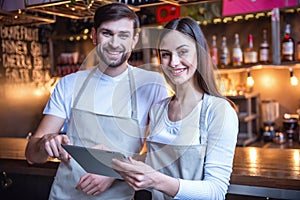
(248, 113)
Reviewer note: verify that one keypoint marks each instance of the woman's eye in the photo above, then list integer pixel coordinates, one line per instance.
(182, 52)
(165, 54)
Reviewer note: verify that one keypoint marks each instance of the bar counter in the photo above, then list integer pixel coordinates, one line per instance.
(260, 172)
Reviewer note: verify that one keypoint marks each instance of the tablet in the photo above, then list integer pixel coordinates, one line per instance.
(94, 161)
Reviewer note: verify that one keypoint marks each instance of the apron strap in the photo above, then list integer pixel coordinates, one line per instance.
(202, 121)
(133, 94)
(86, 81)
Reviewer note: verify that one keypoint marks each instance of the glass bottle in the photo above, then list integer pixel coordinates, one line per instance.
(250, 55)
(214, 51)
(288, 45)
(264, 49)
(224, 53)
(298, 51)
(237, 54)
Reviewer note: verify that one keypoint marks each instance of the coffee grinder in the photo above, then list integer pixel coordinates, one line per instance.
(270, 112)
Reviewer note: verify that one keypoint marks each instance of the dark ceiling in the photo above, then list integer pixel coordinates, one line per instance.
(36, 12)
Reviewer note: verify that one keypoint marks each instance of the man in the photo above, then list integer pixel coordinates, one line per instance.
(106, 105)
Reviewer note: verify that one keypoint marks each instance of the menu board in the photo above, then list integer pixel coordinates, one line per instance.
(234, 7)
(24, 58)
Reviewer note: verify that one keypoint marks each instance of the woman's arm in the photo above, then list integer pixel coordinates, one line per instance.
(222, 127)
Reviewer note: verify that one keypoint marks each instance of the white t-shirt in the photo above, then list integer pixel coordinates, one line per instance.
(150, 88)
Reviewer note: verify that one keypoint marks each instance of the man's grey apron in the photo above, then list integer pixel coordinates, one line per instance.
(88, 128)
(180, 161)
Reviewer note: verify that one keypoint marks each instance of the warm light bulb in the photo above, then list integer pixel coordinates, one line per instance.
(294, 81)
(250, 80)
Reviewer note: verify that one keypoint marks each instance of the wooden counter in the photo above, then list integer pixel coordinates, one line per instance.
(266, 172)
(12, 159)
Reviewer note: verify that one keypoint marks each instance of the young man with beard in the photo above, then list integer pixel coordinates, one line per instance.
(104, 105)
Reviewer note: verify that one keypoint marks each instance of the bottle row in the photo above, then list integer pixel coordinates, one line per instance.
(223, 57)
(68, 63)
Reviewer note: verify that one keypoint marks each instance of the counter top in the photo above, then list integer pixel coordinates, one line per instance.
(267, 172)
(12, 159)
(279, 168)
(253, 167)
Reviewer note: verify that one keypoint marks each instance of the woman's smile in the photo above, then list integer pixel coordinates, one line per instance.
(178, 71)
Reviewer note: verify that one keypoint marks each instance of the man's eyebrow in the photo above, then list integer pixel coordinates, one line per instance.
(109, 30)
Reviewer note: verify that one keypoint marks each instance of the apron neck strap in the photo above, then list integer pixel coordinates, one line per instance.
(202, 121)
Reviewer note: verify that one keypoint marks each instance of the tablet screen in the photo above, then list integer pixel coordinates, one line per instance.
(94, 161)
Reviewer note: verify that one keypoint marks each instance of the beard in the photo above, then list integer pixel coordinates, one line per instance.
(111, 62)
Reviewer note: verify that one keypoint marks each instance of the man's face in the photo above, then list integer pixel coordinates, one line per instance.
(115, 41)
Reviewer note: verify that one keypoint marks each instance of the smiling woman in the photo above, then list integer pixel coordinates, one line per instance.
(190, 130)
(172, 54)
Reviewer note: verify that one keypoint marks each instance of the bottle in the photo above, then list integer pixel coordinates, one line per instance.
(298, 50)
(288, 45)
(264, 49)
(237, 54)
(224, 53)
(214, 51)
(250, 55)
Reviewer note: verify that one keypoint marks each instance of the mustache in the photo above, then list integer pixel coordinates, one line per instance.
(111, 48)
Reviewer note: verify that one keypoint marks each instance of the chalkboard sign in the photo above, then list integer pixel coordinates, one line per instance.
(24, 58)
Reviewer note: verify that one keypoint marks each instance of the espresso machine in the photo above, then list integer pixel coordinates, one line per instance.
(270, 112)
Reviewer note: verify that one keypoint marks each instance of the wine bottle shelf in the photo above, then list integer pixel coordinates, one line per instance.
(245, 68)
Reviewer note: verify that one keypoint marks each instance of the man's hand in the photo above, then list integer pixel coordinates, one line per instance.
(52, 145)
(93, 184)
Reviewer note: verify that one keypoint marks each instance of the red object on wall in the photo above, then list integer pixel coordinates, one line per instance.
(166, 13)
(233, 7)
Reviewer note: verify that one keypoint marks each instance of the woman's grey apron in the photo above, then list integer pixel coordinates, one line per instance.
(180, 161)
(88, 128)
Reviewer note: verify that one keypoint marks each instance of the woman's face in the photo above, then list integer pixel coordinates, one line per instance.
(178, 57)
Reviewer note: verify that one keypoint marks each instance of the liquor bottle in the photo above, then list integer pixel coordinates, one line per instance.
(250, 55)
(237, 54)
(288, 45)
(214, 51)
(224, 53)
(298, 51)
(264, 49)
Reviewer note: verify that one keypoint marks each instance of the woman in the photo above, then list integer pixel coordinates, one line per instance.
(193, 133)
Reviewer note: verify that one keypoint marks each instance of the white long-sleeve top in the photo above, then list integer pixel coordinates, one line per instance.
(222, 130)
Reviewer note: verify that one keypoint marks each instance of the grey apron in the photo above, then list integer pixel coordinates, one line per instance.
(180, 161)
(88, 128)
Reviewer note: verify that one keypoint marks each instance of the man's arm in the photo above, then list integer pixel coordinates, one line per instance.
(46, 141)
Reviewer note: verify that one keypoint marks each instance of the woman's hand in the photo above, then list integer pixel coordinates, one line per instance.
(141, 176)
(136, 173)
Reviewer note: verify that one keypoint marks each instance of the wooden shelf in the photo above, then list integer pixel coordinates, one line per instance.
(248, 117)
(287, 66)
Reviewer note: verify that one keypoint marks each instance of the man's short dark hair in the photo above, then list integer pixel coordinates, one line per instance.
(113, 12)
